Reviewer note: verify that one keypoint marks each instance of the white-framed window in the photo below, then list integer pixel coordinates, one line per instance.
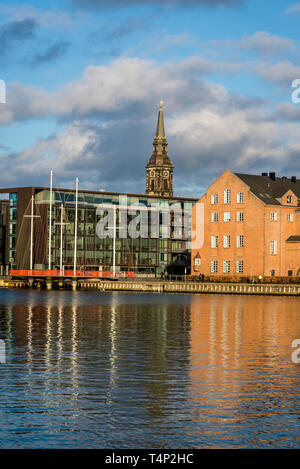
(239, 216)
(273, 247)
(240, 197)
(289, 217)
(197, 261)
(226, 241)
(227, 196)
(226, 217)
(289, 199)
(214, 217)
(214, 199)
(240, 241)
(226, 267)
(239, 267)
(273, 216)
(214, 267)
(214, 241)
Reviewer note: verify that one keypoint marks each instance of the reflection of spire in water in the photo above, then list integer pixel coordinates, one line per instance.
(212, 340)
(238, 316)
(224, 336)
(273, 330)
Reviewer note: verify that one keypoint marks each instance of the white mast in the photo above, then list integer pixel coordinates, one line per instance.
(50, 222)
(76, 223)
(61, 238)
(32, 216)
(114, 243)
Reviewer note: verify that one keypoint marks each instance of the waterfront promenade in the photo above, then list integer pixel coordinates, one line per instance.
(158, 286)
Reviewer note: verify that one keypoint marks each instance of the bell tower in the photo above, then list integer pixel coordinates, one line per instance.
(159, 169)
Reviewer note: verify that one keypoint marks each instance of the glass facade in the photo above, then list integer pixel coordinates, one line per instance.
(12, 221)
(152, 235)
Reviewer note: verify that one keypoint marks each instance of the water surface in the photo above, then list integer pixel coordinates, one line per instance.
(117, 370)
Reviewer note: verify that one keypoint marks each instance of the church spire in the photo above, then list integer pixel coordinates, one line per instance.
(160, 128)
(159, 179)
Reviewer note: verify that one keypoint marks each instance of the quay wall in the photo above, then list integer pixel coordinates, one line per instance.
(173, 287)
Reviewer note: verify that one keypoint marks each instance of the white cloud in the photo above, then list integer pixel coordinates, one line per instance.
(124, 85)
(294, 9)
(280, 73)
(209, 129)
(265, 43)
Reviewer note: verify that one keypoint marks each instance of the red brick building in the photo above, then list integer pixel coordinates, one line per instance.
(251, 226)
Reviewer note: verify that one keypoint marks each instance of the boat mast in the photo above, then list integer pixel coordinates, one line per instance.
(76, 223)
(50, 222)
(32, 216)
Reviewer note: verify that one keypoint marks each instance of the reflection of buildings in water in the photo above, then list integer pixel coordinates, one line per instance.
(113, 357)
(74, 353)
(166, 358)
(238, 343)
(9, 335)
(29, 354)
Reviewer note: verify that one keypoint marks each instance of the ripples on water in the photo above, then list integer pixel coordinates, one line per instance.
(90, 370)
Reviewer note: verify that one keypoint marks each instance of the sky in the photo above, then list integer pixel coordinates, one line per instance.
(84, 79)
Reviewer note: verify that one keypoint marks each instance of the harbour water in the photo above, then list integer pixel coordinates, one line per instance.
(128, 370)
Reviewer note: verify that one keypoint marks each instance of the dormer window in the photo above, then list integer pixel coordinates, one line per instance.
(289, 199)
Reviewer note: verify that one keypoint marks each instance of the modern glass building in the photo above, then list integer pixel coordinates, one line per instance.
(151, 236)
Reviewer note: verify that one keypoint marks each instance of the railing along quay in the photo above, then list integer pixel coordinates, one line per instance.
(192, 287)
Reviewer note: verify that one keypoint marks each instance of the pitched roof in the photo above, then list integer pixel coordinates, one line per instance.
(270, 189)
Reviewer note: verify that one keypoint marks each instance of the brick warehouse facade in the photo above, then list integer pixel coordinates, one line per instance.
(251, 227)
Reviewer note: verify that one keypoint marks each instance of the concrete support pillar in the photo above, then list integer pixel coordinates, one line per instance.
(49, 284)
(30, 282)
(74, 284)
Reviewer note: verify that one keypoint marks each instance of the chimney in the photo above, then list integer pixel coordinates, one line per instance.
(272, 176)
(293, 179)
(264, 174)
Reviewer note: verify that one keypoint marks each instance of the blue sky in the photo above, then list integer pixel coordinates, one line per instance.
(84, 80)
